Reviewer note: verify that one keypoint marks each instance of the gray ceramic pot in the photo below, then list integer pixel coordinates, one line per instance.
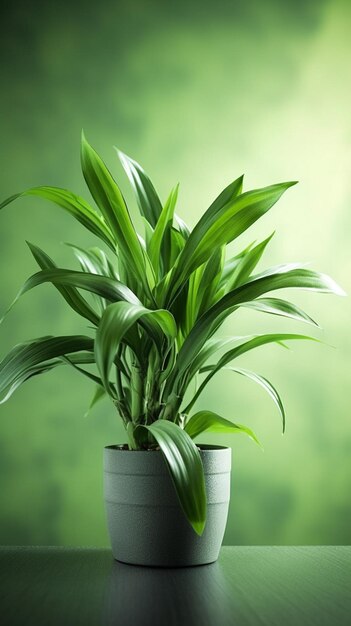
(146, 523)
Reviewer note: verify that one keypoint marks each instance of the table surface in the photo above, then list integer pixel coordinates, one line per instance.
(248, 585)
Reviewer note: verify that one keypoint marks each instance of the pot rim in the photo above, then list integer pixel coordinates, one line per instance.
(203, 447)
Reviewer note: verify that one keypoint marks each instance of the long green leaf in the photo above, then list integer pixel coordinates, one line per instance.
(211, 347)
(267, 386)
(283, 277)
(183, 228)
(110, 201)
(231, 264)
(177, 245)
(162, 234)
(70, 294)
(217, 228)
(206, 294)
(30, 358)
(103, 286)
(246, 346)
(75, 206)
(277, 306)
(185, 466)
(192, 301)
(246, 265)
(209, 421)
(91, 263)
(228, 195)
(149, 203)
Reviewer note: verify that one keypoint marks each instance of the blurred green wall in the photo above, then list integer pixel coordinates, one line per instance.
(198, 92)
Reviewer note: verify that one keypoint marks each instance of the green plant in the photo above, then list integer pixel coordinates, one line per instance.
(158, 304)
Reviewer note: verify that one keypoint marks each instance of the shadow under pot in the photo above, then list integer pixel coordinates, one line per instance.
(145, 520)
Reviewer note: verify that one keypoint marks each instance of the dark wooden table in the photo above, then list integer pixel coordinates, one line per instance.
(270, 586)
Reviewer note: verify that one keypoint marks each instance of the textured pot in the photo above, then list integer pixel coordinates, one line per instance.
(146, 523)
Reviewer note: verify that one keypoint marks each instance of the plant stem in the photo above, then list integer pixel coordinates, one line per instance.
(131, 439)
(137, 386)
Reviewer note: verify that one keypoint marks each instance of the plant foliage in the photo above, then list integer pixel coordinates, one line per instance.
(158, 302)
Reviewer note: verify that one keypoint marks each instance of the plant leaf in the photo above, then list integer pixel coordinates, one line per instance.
(70, 294)
(231, 264)
(209, 421)
(206, 294)
(161, 233)
(99, 393)
(211, 347)
(110, 201)
(116, 320)
(246, 346)
(276, 306)
(185, 466)
(183, 229)
(91, 263)
(267, 386)
(149, 203)
(222, 225)
(282, 277)
(75, 206)
(246, 265)
(33, 357)
(101, 285)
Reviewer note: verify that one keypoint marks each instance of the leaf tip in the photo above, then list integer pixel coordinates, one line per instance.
(332, 286)
(121, 155)
(199, 526)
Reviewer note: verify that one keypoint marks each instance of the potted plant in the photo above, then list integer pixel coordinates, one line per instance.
(159, 301)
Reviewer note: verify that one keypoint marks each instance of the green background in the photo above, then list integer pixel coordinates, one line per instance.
(198, 92)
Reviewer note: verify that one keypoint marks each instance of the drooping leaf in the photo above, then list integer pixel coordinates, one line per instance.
(211, 347)
(103, 286)
(267, 386)
(283, 277)
(277, 306)
(212, 422)
(234, 353)
(33, 357)
(75, 206)
(91, 263)
(70, 293)
(185, 466)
